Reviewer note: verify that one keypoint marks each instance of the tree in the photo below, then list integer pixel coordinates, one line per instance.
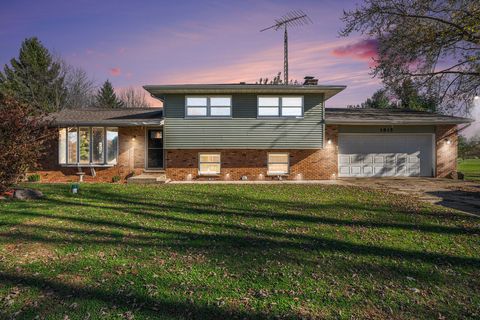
(404, 95)
(34, 78)
(22, 140)
(276, 80)
(134, 98)
(410, 97)
(468, 148)
(106, 97)
(80, 89)
(435, 44)
(379, 100)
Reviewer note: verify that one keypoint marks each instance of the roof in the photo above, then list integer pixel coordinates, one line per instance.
(109, 117)
(347, 116)
(160, 90)
(368, 116)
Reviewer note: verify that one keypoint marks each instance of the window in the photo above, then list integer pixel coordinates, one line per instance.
(72, 145)
(62, 146)
(87, 146)
(112, 145)
(278, 163)
(98, 146)
(209, 163)
(280, 106)
(84, 146)
(208, 107)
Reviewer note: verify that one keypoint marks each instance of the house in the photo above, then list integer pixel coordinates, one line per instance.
(250, 132)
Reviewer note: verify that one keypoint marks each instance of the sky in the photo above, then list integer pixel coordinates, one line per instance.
(133, 43)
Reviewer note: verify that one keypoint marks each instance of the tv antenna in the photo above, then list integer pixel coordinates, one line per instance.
(295, 18)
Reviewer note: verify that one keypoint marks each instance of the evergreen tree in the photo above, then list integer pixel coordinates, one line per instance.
(106, 97)
(379, 100)
(410, 98)
(35, 78)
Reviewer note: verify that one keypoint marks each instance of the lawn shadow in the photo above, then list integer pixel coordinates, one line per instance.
(139, 303)
(466, 201)
(243, 241)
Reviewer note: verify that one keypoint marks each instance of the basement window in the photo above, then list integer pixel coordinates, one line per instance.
(87, 146)
(278, 163)
(209, 164)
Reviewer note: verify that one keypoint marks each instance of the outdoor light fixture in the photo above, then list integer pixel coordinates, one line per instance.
(448, 141)
(134, 138)
(329, 141)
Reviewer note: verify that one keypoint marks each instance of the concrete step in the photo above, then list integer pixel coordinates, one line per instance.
(148, 179)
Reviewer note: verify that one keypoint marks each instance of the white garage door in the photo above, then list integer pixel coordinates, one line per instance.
(375, 155)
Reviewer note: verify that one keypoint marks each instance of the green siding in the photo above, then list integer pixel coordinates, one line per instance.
(244, 130)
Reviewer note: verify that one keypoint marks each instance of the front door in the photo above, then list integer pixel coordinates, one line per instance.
(155, 148)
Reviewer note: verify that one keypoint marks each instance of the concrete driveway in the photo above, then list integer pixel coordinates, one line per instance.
(456, 194)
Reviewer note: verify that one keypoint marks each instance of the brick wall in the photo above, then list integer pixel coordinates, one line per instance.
(446, 153)
(131, 158)
(305, 164)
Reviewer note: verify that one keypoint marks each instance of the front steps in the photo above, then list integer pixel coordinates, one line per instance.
(149, 178)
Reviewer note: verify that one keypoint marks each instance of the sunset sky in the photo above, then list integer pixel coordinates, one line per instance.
(133, 43)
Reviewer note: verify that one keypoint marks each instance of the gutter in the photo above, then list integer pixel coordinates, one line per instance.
(107, 124)
(393, 122)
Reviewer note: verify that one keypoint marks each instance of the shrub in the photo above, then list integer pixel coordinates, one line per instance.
(34, 177)
(116, 178)
(22, 140)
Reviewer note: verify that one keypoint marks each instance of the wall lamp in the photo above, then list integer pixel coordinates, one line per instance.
(329, 141)
(134, 138)
(448, 141)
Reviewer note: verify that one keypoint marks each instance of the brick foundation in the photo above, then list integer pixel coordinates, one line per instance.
(446, 153)
(131, 158)
(316, 164)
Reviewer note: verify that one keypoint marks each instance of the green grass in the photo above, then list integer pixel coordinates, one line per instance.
(471, 168)
(235, 252)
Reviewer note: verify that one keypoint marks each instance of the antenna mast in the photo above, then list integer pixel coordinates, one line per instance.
(294, 18)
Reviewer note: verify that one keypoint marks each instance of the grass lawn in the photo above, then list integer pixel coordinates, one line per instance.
(471, 168)
(235, 251)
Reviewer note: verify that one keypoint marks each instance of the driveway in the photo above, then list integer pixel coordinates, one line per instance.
(456, 194)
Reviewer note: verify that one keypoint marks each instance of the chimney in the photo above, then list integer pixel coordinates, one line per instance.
(310, 81)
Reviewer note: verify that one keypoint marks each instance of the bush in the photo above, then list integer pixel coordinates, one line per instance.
(22, 140)
(34, 177)
(116, 178)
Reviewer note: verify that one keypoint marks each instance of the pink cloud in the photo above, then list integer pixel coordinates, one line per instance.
(115, 72)
(365, 50)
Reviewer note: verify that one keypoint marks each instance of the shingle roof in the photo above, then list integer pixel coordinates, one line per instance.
(154, 116)
(159, 90)
(109, 117)
(360, 116)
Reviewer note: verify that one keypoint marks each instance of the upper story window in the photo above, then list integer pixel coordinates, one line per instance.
(87, 146)
(270, 106)
(214, 106)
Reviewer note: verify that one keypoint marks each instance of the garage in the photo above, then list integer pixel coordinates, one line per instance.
(385, 155)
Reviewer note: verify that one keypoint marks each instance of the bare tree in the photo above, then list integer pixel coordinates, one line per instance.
(80, 88)
(432, 43)
(134, 98)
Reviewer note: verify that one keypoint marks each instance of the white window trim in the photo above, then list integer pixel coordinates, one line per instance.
(105, 162)
(280, 107)
(200, 162)
(269, 173)
(208, 107)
